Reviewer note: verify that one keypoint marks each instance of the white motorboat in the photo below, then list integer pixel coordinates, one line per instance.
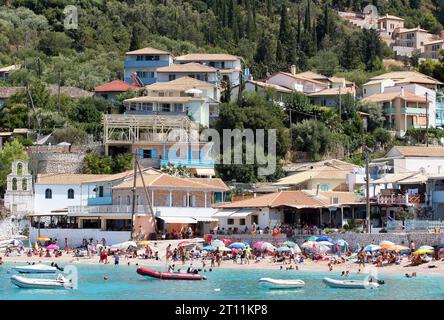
(35, 283)
(281, 283)
(351, 284)
(36, 268)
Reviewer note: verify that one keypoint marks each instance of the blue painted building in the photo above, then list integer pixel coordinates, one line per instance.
(440, 111)
(145, 62)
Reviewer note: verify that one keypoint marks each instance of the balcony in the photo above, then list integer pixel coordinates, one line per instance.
(115, 210)
(188, 162)
(396, 199)
(145, 81)
(162, 113)
(146, 64)
(415, 111)
(100, 201)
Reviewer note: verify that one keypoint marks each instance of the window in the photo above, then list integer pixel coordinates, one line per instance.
(166, 107)
(149, 153)
(138, 199)
(48, 194)
(230, 221)
(171, 77)
(146, 106)
(254, 219)
(365, 91)
(70, 194)
(178, 107)
(100, 191)
(324, 187)
(128, 200)
(14, 184)
(242, 222)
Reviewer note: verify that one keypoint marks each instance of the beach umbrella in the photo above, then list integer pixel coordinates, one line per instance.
(224, 249)
(283, 249)
(342, 242)
(424, 251)
(184, 243)
(227, 241)
(399, 248)
(372, 247)
(258, 244)
(386, 243)
(144, 243)
(237, 245)
(16, 242)
(234, 250)
(311, 238)
(217, 243)
(289, 243)
(123, 245)
(308, 244)
(323, 248)
(43, 239)
(267, 246)
(324, 243)
(296, 249)
(323, 238)
(209, 248)
(426, 248)
(52, 247)
(198, 240)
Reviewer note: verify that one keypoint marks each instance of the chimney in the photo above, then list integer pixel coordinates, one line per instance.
(293, 69)
(402, 91)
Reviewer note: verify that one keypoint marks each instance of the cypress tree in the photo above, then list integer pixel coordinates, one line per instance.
(284, 28)
(270, 9)
(307, 25)
(326, 20)
(299, 26)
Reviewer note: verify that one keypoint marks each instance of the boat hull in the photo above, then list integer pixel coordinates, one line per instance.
(33, 283)
(349, 284)
(169, 275)
(281, 283)
(36, 269)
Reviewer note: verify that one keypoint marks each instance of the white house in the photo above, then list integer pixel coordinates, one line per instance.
(229, 66)
(376, 86)
(296, 82)
(193, 70)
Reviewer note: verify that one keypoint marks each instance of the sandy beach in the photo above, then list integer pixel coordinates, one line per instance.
(266, 263)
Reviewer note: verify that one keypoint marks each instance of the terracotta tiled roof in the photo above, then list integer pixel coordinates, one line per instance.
(407, 76)
(163, 180)
(298, 77)
(410, 151)
(278, 199)
(312, 75)
(389, 96)
(64, 179)
(181, 84)
(207, 57)
(270, 85)
(116, 86)
(187, 67)
(433, 42)
(146, 51)
(326, 196)
(162, 99)
(390, 17)
(333, 92)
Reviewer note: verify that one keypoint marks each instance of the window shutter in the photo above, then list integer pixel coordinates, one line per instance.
(153, 153)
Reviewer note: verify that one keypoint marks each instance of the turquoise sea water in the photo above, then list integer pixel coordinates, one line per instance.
(124, 283)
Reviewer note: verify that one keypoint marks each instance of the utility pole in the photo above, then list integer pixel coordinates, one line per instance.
(58, 90)
(133, 201)
(427, 118)
(367, 191)
(340, 103)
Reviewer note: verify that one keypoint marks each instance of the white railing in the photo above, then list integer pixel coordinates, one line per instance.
(106, 209)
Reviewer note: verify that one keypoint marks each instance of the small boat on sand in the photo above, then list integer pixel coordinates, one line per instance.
(36, 283)
(350, 284)
(170, 275)
(281, 283)
(36, 268)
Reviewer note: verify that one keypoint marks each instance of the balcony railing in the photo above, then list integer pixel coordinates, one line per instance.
(188, 162)
(100, 201)
(106, 209)
(149, 112)
(401, 199)
(146, 63)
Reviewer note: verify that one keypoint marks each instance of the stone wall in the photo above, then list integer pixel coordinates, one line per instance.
(56, 163)
(362, 239)
(253, 238)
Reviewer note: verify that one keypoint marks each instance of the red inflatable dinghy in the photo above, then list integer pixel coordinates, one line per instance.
(170, 275)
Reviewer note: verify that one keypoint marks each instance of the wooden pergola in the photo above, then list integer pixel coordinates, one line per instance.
(122, 129)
